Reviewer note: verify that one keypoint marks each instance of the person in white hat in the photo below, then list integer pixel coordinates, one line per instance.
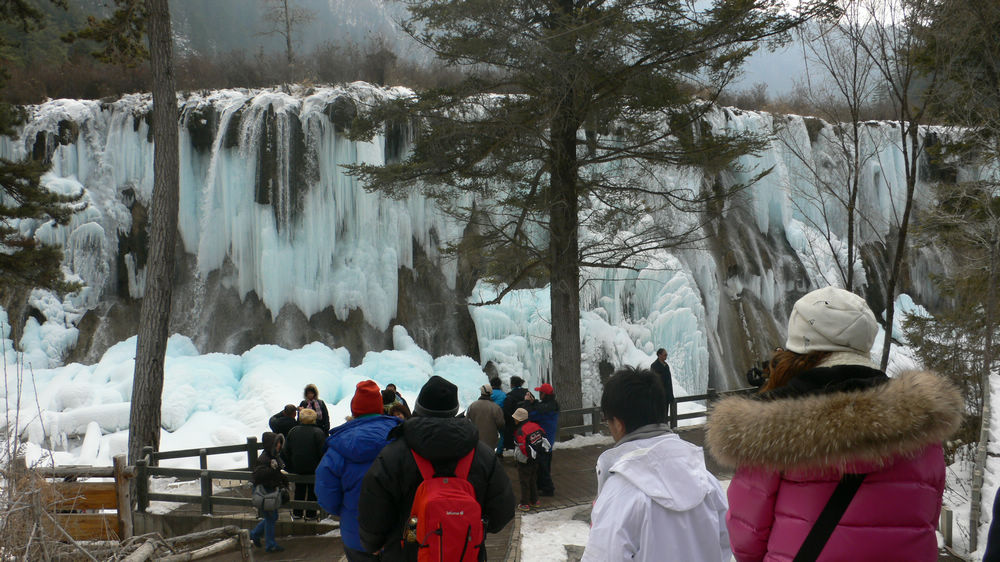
(835, 460)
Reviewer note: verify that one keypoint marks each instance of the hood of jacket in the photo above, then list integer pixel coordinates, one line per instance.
(362, 439)
(439, 439)
(270, 442)
(668, 469)
(869, 420)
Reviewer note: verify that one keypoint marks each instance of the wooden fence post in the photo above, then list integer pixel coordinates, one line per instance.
(122, 491)
(595, 420)
(206, 493)
(945, 525)
(142, 484)
(251, 452)
(673, 414)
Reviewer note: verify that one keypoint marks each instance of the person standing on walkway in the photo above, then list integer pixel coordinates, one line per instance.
(267, 473)
(498, 396)
(487, 417)
(530, 443)
(350, 451)
(510, 403)
(399, 397)
(831, 434)
(303, 450)
(655, 498)
(662, 370)
(545, 412)
(436, 435)
(312, 401)
(284, 421)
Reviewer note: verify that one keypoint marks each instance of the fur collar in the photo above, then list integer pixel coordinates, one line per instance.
(901, 416)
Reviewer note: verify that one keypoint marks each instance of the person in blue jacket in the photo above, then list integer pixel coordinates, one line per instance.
(498, 396)
(350, 450)
(545, 412)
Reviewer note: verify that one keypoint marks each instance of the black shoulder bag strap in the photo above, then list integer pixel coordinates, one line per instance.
(829, 517)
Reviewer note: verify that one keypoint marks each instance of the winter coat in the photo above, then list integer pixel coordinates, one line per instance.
(304, 448)
(322, 421)
(280, 423)
(663, 371)
(511, 403)
(267, 471)
(792, 447)
(350, 451)
(391, 483)
(488, 419)
(656, 496)
(522, 433)
(545, 412)
(498, 396)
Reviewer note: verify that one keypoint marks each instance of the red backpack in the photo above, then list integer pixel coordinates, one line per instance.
(449, 519)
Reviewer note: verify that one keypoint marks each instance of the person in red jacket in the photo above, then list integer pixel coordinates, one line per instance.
(827, 417)
(530, 443)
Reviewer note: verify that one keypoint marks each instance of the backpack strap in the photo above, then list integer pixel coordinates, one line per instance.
(427, 469)
(829, 517)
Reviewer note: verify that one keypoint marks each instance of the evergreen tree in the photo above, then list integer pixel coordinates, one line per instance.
(568, 116)
(24, 262)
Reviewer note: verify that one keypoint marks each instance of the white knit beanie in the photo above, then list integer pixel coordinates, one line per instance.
(831, 319)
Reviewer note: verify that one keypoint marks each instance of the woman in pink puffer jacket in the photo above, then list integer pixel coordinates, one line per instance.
(827, 410)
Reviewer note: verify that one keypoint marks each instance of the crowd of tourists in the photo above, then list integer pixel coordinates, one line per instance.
(833, 460)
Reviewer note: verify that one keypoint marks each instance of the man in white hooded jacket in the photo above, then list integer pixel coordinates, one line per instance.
(655, 498)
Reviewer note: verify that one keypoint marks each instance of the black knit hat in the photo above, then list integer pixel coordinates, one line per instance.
(438, 399)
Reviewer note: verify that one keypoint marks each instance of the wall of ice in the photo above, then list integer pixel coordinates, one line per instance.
(279, 246)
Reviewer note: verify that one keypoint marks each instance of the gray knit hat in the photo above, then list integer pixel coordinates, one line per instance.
(831, 319)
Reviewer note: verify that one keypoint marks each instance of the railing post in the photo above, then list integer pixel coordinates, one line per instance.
(124, 497)
(251, 452)
(945, 523)
(142, 484)
(595, 420)
(206, 493)
(673, 414)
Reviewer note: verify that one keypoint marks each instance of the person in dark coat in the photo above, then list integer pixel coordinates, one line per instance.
(303, 450)
(267, 473)
(284, 421)
(498, 396)
(312, 401)
(662, 369)
(399, 397)
(487, 417)
(350, 451)
(511, 403)
(992, 553)
(435, 433)
(545, 412)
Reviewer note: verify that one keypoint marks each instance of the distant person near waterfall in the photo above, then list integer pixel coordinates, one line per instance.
(312, 401)
(662, 369)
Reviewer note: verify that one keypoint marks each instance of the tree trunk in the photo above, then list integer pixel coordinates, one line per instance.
(852, 201)
(288, 39)
(910, 161)
(154, 316)
(565, 260)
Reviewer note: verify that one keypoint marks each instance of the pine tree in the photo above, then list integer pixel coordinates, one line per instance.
(24, 262)
(569, 114)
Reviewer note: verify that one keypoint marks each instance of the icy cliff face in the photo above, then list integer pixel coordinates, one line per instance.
(278, 245)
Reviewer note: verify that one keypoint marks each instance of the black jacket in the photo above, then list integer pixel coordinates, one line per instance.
(390, 484)
(663, 370)
(304, 448)
(511, 403)
(280, 423)
(266, 472)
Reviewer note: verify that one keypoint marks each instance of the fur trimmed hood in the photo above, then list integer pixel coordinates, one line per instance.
(899, 417)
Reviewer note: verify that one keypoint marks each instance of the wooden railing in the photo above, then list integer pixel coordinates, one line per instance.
(597, 423)
(148, 466)
(83, 510)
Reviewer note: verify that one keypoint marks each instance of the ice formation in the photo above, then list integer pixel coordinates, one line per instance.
(265, 205)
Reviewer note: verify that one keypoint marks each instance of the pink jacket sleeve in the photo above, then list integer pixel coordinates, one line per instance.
(752, 493)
